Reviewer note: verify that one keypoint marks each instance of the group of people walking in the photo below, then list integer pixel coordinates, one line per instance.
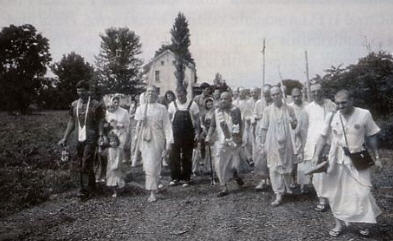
(286, 144)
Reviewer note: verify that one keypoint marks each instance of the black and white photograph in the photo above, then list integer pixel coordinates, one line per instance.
(210, 120)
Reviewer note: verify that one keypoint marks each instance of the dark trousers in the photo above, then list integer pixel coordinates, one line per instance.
(181, 161)
(85, 152)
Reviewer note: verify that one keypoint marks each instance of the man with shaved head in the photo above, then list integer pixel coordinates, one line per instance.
(299, 136)
(251, 123)
(349, 186)
(246, 111)
(317, 112)
(275, 138)
(258, 156)
(227, 125)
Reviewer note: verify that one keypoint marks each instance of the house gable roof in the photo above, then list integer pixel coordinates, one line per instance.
(146, 67)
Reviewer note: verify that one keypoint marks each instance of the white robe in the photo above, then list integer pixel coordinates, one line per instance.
(116, 155)
(348, 189)
(317, 115)
(227, 158)
(157, 122)
(259, 156)
(278, 145)
(246, 110)
(299, 135)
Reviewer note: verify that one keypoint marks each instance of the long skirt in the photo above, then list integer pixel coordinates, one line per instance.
(350, 196)
(114, 169)
(151, 158)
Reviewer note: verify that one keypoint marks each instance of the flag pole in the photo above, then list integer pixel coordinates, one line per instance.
(308, 77)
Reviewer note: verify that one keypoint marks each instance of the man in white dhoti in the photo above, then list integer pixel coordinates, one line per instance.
(119, 121)
(251, 123)
(259, 156)
(317, 112)
(227, 124)
(246, 111)
(276, 141)
(153, 119)
(299, 135)
(349, 188)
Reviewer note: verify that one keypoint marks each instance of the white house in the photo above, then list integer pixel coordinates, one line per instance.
(160, 71)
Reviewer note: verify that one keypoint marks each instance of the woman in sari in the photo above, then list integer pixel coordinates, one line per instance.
(119, 121)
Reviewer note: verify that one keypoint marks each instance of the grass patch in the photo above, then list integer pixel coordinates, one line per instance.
(30, 168)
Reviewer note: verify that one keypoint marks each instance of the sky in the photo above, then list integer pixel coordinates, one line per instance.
(226, 35)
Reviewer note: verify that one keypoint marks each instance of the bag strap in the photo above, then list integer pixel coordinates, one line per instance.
(77, 112)
(189, 105)
(174, 102)
(345, 135)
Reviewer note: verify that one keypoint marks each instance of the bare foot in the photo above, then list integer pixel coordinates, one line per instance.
(152, 197)
(277, 201)
(261, 185)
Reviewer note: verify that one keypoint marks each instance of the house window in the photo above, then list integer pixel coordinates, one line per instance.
(157, 76)
(162, 62)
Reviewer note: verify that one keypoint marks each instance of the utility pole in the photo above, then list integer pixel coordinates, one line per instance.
(263, 65)
(308, 78)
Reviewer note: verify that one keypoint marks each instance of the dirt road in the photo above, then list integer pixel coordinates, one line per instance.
(192, 213)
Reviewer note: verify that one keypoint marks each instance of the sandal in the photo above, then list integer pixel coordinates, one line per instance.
(239, 181)
(364, 232)
(321, 207)
(222, 193)
(335, 233)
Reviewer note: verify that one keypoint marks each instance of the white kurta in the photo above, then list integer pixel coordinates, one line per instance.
(227, 157)
(258, 155)
(299, 135)
(349, 190)
(278, 145)
(317, 115)
(157, 121)
(246, 110)
(120, 120)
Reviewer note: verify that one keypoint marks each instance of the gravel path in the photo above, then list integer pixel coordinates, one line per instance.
(192, 213)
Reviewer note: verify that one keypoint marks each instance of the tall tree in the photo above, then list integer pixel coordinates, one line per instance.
(180, 44)
(118, 65)
(24, 56)
(371, 80)
(70, 70)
